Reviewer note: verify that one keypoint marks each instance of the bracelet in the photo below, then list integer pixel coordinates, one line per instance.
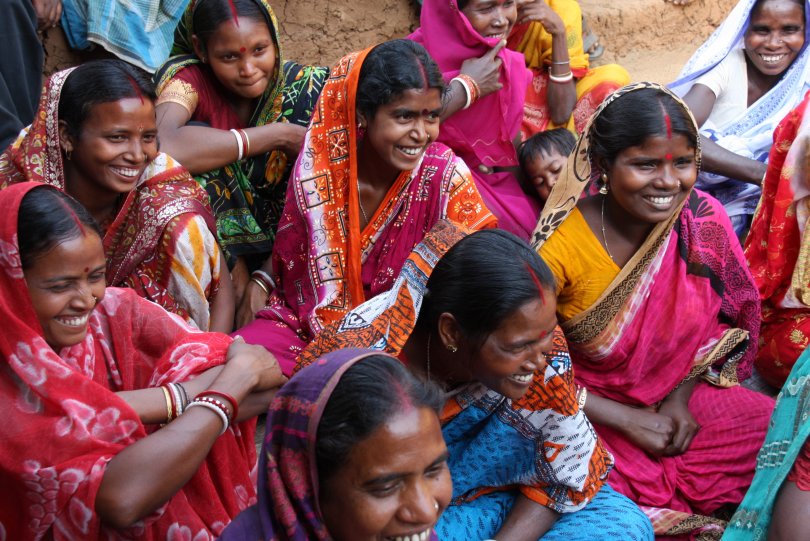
(246, 141)
(467, 91)
(560, 62)
(472, 85)
(583, 396)
(219, 410)
(561, 78)
(168, 396)
(261, 284)
(240, 147)
(177, 401)
(231, 400)
(264, 277)
(184, 394)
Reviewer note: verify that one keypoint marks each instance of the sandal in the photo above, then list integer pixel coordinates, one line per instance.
(590, 42)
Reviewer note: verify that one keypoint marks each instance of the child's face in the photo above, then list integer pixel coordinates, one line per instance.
(543, 170)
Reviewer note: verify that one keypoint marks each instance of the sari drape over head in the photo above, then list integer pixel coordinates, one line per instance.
(323, 263)
(482, 135)
(751, 134)
(627, 347)
(64, 421)
(247, 196)
(161, 242)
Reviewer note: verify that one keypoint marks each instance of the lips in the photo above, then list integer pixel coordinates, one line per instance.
(522, 378)
(127, 172)
(422, 536)
(411, 151)
(772, 58)
(75, 322)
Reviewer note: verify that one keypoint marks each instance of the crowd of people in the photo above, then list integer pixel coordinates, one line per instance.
(481, 289)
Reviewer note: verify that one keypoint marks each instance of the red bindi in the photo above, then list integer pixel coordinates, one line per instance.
(87, 269)
(242, 49)
(668, 156)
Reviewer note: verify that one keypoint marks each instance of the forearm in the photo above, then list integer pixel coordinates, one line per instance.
(682, 393)
(527, 521)
(256, 404)
(718, 160)
(223, 307)
(454, 99)
(605, 411)
(561, 96)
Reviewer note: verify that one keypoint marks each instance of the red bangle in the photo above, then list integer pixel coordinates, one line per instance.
(231, 400)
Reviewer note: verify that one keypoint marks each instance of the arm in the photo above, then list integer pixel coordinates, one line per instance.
(528, 520)
(48, 13)
(676, 407)
(223, 307)
(649, 430)
(484, 70)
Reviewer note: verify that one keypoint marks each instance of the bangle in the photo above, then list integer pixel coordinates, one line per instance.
(261, 285)
(467, 91)
(560, 62)
(231, 400)
(264, 277)
(240, 147)
(583, 396)
(168, 396)
(246, 141)
(218, 409)
(472, 85)
(561, 78)
(184, 393)
(177, 401)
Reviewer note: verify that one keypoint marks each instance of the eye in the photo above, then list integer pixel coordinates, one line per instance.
(149, 137)
(385, 490)
(228, 57)
(96, 276)
(433, 116)
(436, 470)
(118, 138)
(683, 162)
(58, 288)
(791, 29)
(557, 170)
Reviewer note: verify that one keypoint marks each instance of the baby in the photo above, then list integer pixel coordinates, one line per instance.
(542, 159)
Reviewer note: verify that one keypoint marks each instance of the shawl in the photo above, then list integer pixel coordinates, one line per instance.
(64, 421)
(248, 195)
(288, 483)
(691, 266)
(482, 135)
(751, 134)
(787, 433)
(132, 244)
(541, 445)
(323, 262)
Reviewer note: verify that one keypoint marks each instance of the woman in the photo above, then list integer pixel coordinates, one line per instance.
(95, 138)
(662, 392)
(89, 373)
(775, 507)
(524, 459)
(233, 111)
(774, 250)
(368, 185)
(465, 38)
(565, 91)
(347, 459)
(748, 75)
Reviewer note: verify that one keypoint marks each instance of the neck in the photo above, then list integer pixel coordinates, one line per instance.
(101, 204)
(372, 171)
(617, 220)
(428, 357)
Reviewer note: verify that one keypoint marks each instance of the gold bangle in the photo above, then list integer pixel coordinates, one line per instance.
(261, 285)
(168, 404)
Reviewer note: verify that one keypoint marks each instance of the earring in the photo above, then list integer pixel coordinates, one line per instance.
(361, 130)
(604, 189)
(436, 506)
(95, 300)
(452, 348)
(68, 154)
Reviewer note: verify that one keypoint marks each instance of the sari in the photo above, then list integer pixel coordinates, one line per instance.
(247, 196)
(288, 508)
(323, 263)
(777, 460)
(541, 446)
(593, 85)
(691, 266)
(776, 250)
(483, 135)
(751, 134)
(64, 421)
(160, 242)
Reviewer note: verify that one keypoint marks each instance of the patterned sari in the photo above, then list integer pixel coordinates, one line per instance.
(64, 421)
(161, 241)
(691, 267)
(324, 264)
(593, 85)
(777, 250)
(247, 196)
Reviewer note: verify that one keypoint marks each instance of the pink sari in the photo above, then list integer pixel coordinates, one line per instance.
(483, 134)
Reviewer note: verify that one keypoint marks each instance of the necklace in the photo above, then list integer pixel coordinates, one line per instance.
(427, 358)
(604, 237)
(360, 203)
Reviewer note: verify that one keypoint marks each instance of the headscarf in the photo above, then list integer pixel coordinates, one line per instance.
(288, 508)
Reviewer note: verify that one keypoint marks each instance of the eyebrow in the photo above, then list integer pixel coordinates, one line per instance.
(383, 479)
(62, 278)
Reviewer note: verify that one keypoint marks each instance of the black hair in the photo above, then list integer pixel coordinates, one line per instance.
(462, 4)
(634, 117)
(482, 280)
(209, 14)
(558, 140)
(390, 69)
(759, 3)
(46, 218)
(370, 393)
(100, 81)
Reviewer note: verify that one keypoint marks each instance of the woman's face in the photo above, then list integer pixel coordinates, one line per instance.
(62, 283)
(543, 171)
(399, 132)
(491, 18)
(394, 485)
(775, 36)
(650, 180)
(243, 58)
(116, 143)
(515, 352)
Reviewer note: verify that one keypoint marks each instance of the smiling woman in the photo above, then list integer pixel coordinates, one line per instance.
(96, 138)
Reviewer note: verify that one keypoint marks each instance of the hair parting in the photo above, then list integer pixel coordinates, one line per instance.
(536, 281)
(234, 14)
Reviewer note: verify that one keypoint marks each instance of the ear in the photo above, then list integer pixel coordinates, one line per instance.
(604, 165)
(449, 330)
(66, 141)
(361, 119)
(199, 48)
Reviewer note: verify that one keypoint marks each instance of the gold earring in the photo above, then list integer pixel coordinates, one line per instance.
(68, 154)
(604, 189)
(452, 348)
(95, 300)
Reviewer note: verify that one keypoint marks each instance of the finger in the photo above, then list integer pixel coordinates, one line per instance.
(689, 437)
(495, 50)
(239, 339)
(680, 436)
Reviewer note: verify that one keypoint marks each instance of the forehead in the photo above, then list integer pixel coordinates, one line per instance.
(655, 143)
(249, 29)
(70, 256)
(784, 11)
(528, 321)
(416, 99)
(123, 111)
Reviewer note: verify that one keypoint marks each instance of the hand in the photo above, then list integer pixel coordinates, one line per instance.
(486, 70)
(539, 11)
(253, 300)
(685, 426)
(254, 360)
(239, 278)
(293, 140)
(649, 430)
(48, 13)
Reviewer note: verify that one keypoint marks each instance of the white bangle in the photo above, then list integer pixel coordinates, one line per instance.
(466, 88)
(221, 414)
(240, 147)
(178, 400)
(561, 78)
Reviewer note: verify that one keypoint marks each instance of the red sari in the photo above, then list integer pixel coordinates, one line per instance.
(63, 421)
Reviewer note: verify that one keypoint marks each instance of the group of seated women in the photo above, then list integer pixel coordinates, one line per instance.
(443, 354)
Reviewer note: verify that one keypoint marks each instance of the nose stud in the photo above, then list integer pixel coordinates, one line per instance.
(436, 506)
(95, 300)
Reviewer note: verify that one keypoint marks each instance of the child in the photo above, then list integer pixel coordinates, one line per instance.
(542, 158)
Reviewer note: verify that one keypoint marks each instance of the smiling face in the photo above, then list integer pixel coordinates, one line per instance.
(394, 485)
(775, 36)
(491, 18)
(62, 283)
(399, 132)
(649, 181)
(243, 58)
(116, 143)
(543, 171)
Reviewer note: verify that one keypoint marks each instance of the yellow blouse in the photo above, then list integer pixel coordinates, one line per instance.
(580, 265)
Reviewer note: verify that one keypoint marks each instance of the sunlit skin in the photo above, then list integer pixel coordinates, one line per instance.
(395, 483)
(774, 37)
(491, 18)
(543, 170)
(62, 283)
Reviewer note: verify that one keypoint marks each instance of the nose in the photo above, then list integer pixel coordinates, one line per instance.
(84, 299)
(135, 153)
(669, 178)
(419, 506)
(419, 132)
(246, 69)
(499, 18)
